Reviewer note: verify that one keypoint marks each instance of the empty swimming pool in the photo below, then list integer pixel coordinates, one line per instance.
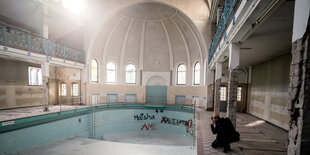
(104, 128)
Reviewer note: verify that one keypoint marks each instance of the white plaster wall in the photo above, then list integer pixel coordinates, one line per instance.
(269, 91)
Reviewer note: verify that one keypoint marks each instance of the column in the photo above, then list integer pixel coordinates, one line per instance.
(217, 94)
(44, 22)
(299, 88)
(232, 96)
(84, 78)
(45, 76)
(234, 57)
(210, 89)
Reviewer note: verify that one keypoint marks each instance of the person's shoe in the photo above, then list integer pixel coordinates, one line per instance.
(226, 148)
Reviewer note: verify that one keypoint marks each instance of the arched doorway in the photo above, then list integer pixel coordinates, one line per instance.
(156, 90)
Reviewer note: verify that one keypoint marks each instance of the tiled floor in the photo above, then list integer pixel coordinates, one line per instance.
(257, 136)
(82, 146)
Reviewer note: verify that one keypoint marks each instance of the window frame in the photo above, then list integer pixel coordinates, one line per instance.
(91, 66)
(177, 76)
(115, 72)
(77, 89)
(225, 93)
(240, 93)
(194, 77)
(28, 66)
(61, 89)
(135, 73)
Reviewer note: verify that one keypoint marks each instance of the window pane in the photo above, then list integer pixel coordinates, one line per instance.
(223, 94)
(181, 74)
(197, 73)
(94, 71)
(239, 94)
(75, 89)
(63, 89)
(130, 73)
(111, 72)
(34, 76)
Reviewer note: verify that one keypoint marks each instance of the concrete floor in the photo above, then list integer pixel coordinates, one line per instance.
(257, 136)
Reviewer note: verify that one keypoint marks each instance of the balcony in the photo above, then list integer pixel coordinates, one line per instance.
(226, 18)
(19, 39)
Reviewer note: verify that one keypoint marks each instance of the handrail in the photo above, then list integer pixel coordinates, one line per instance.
(16, 38)
(228, 11)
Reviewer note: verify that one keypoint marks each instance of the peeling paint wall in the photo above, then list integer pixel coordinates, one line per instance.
(14, 89)
(69, 76)
(269, 91)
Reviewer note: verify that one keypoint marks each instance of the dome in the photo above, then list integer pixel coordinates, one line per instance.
(151, 35)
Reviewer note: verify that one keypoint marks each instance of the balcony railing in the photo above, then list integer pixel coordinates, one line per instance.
(15, 38)
(226, 16)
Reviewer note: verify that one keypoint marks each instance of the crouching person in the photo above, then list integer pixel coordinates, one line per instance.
(225, 131)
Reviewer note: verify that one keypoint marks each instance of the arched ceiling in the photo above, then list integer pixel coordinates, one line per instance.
(152, 35)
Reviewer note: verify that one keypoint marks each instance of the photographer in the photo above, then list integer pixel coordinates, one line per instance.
(225, 131)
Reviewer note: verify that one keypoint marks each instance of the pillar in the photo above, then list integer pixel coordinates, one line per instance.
(232, 96)
(218, 75)
(45, 76)
(234, 59)
(210, 89)
(44, 22)
(299, 98)
(299, 88)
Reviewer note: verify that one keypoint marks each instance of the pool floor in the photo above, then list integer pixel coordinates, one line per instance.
(81, 146)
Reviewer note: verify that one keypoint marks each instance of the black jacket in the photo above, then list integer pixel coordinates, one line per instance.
(225, 131)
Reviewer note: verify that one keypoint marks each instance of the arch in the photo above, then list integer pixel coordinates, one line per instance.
(94, 71)
(111, 72)
(197, 68)
(156, 80)
(131, 74)
(181, 74)
(183, 16)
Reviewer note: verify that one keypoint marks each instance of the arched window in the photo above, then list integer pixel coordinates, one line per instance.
(197, 73)
(94, 71)
(131, 74)
(181, 74)
(111, 72)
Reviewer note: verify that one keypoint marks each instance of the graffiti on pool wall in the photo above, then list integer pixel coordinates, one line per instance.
(148, 127)
(143, 116)
(173, 121)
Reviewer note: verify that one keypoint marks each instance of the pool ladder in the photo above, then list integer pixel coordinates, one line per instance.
(93, 123)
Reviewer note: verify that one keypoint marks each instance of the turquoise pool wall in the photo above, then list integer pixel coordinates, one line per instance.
(41, 134)
(109, 119)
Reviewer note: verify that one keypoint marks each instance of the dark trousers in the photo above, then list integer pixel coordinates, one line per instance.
(218, 143)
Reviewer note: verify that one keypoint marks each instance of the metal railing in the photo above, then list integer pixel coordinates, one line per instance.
(16, 38)
(226, 15)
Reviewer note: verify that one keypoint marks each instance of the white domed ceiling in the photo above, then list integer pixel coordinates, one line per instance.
(153, 36)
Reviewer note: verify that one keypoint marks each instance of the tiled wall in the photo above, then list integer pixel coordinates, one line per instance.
(114, 121)
(107, 121)
(45, 133)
